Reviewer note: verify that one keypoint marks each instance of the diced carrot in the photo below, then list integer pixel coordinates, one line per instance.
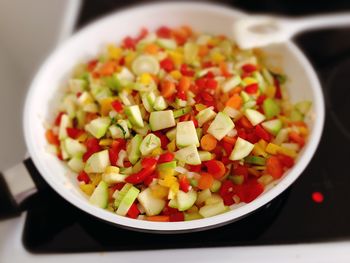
(151, 48)
(235, 102)
(158, 218)
(208, 142)
(205, 181)
(108, 68)
(203, 50)
(52, 138)
(185, 83)
(167, 89)
(295, 137)
(230, 140)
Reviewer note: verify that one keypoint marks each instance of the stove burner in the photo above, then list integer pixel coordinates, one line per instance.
(338, 88)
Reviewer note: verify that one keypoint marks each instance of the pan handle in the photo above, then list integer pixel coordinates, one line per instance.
(16, 186)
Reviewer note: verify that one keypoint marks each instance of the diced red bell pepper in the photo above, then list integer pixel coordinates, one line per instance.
(252, 88)
(260, 100)
(245, 123)
(241, 170)
(117, 106)
(149, 167)
(163, 32)
(195, 168)
(113, 156)
(181, 95)
(117, 186)
(118, 144)
(58, 118)
(164, 141)
(92, 65)
(278, 94)
(201, 82)
(149, 179)
(228, 199)
(129, 43)
(216, 168)
(286, 161)
(228, 147)
(226, 192)
(167, 64)
(210, 75)
(185, 71)
(133, 211)
(252, 137)
(194, 120)
(211, 83)
(52, 138)
(249, 191)
(225, 160)
(166, 157)
(177, 217)
(184, 184)
(92, 145)
(143, 33)
(262, 133)
(83, 177)
(274, 167)
(249, 68)
(167, 210)
(295, 137)
(74, 133)
(148, 162)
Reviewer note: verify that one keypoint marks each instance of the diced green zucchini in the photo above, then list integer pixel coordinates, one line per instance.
(149, 143)
(145, 64)
(171, 134)
(160, 103)
(232, 113)
(74, 147)
(296, 115)
(185, 200)
(199, 132)
(120, 130)
(98, 127)
(282, 136)
(212, 210)
(186, 134)
(133, 149)
(254, 116)
(192, 216)
(271, 108)
(167, 43)
(272, 126)
(215, 186)
(64, 124)
(127, 201)
(173, 203)
(152, 205)
(159, 120)
(134, 115)
(241, 149)
(99, 197)
(214, 199)
(231, 83)
(221, 125)
(303, 106)
(205, 115)
(257, 160)
(77, 85)
(76, 164)
(202, 196)
(190, 52)
(237, 179)
(205, 156)
(121, 194)
(180, 112)
(97, 162)
(188, 155)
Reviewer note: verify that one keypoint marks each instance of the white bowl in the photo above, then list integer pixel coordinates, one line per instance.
(45, 92)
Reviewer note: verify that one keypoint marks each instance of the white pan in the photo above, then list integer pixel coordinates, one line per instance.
(44, 94)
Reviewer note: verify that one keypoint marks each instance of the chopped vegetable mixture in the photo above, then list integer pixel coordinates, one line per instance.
(175, 126)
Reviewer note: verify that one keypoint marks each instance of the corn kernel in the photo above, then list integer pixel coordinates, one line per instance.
(106, 106)
(146, 79)
(87, 188)
(105, 142)
(247, 81)
(114, 52)
(271, 91)
(172, 146)
(272, 148)
(112, 169)
(176, 74)
(159, 191)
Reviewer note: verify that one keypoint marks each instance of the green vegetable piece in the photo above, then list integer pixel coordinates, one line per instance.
(152, 205)
(188, 155)
(145, 64)
(97, 162)
(221, 125)
(186, 200)
(99, 197)
(133, 149)
(303, 106)
(98, 127)
(127, 201)
(149, 143)
(159, 120)
(121, 194)
(271, 108)
(167, 165)
(273, 126)
(257, 160)
(180, 112)
(215, 186)
(134, 115)
(186, 134)
(237, 179)
(212, 210)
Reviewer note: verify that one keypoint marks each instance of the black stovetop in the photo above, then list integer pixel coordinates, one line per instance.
(54, 225)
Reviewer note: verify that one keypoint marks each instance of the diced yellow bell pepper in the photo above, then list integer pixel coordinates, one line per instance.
(175, 187)
(248, 80)
(114, 52)
(288, 152)
(259, 151)
(105, 142)
(106, 106)
(303, 131)
(146, 79)
(270, 91)
(272, 148)
(176, 74)
(83, 137)
(159, 191)
(166, 173)
(112, 169)
(177, 57)
(262, 143)
(217, 57)
(200, 107)
(172, 146)
(168, 180)
(214, 41)
(95, 179)
(129, 59)
(87, 188)
(157, 151)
